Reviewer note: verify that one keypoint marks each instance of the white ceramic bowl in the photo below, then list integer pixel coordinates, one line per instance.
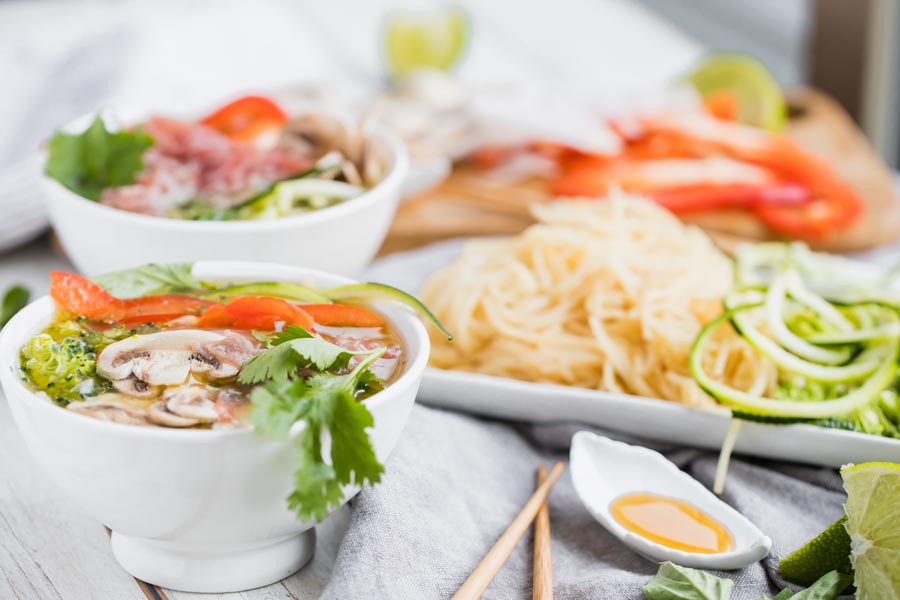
(194, 510)
(339, 239)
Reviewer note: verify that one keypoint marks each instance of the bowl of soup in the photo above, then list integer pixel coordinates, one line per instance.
(249, 181)
(211, 414)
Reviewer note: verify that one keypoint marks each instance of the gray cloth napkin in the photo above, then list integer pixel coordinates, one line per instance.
(454, 482)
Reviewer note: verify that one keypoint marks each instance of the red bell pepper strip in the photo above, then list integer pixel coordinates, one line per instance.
(255, 312)
(246, 118)
(714, 197)
(343, 315)
(82, 297)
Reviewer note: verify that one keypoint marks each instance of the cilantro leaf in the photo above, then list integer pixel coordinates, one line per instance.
(149, 280)
(327, 405)
(283, 360)
(293, 332)
(275, 407)
(89, 162)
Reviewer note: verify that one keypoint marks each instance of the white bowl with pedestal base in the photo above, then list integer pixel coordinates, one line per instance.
(194, 510)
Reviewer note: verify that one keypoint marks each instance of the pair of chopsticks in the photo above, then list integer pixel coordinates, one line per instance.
(535, 508)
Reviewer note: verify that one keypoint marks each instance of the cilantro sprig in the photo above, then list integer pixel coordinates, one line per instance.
(89, 162)
(325, 403)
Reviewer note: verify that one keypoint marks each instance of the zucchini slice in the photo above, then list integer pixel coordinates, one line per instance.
(760, 406)
(275, 289)
(381, 291)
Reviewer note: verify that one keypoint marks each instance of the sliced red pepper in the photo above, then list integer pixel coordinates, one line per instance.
(815, 220)
(713, 197)
(82, 297)
(255, 312)
(246, 118)
(343, 315)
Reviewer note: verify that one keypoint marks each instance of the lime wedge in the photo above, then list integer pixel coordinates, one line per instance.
(426, 38)
(759, 98)
(828, 551)
(873, 503)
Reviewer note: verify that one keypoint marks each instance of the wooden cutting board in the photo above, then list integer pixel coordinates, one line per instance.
(467, 204)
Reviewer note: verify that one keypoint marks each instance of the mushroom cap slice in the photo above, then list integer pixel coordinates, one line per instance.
(111, 408)
(192, 402)
(161, 358)
(159, 414)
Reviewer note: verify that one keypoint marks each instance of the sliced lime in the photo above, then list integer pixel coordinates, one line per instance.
(873, 503)
(759, 97)
(828, 551)
(424, 38)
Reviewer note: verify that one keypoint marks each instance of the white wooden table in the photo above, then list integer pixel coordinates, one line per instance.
(49, 549)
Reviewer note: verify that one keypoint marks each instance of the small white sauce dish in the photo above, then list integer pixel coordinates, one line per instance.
(340, 239)
(194, 510)
(604, 469)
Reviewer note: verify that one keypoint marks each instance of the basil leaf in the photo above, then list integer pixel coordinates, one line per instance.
(828, 587)
(148, 280)
(673, 582)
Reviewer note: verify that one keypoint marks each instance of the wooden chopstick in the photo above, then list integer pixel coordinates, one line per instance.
(543, 563)
(484, 573)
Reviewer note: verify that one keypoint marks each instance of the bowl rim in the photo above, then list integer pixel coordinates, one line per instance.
(43, 307)
(396, 176)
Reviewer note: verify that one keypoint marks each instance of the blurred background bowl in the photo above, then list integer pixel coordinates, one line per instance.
(340, 239)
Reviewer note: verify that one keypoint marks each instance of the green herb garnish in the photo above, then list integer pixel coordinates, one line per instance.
(150, 280)
(14, 300)
(673, 582)
(324, 402)
(89, 162)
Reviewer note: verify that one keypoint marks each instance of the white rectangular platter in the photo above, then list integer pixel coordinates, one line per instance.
(649, 418)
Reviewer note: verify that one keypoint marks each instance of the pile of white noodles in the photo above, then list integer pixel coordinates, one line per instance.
(603, 294)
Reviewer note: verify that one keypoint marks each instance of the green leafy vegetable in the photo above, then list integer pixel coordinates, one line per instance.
(291, 350)
(87, 163)
(64, 369)
(14, 300)
(149, 280)
(673, 582)
(828, 587)
(61, 361)
(324, 403)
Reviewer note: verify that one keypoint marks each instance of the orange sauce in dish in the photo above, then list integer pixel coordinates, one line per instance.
(671, 522)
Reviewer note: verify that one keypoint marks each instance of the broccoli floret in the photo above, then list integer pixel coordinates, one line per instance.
(63, 369)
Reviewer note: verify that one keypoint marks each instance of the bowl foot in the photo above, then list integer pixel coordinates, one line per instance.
(213, 568)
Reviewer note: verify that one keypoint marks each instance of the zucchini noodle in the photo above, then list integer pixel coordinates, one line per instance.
(605, 295)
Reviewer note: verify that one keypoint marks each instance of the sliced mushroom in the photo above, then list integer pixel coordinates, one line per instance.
(155, 359)
(184, 407)
(160, 415)
(316, 135)
(135, 387)
(222, 360)
(192, 402)
(111, 408)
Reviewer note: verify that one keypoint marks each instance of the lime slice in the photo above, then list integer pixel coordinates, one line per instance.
(760, 102)
(873, 503)
(427, 38)
(828, 551)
